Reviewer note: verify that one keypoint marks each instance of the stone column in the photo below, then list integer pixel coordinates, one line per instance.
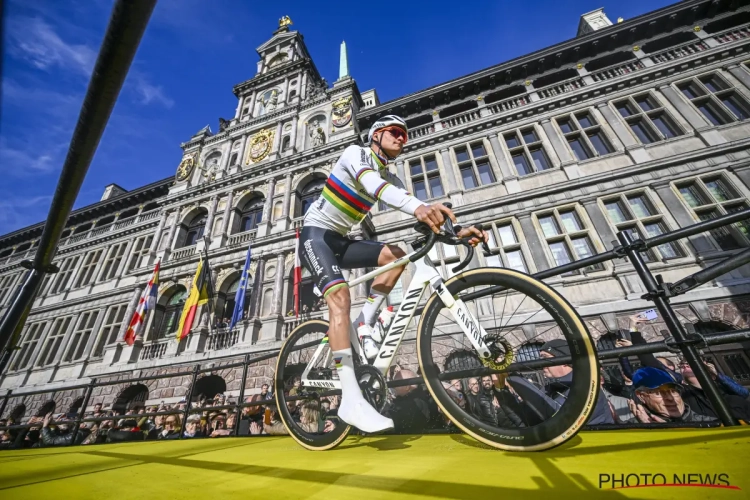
(682, 216)
(450, 175)
(226, 154)
(502, 162)
(157, 236)
(172, 230)
(278, 294)
(739, 74)
(211, 216)
(227, 213)
(293, 138)
(285, 90)
(561, 149)
(241, 161)
(251, 113)
(303, 86)
(601, 225)
(265, 227)
(533, 242)
(287, 196)
(256, 300)
(400, 172)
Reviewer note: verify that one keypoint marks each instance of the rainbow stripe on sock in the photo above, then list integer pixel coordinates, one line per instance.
(338, 362)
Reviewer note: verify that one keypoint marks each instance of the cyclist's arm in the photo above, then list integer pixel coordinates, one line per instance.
(381, 189)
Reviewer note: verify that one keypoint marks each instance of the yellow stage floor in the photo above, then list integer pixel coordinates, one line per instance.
(384, 467)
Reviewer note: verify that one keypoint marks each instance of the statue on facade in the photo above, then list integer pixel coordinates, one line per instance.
(269, 102)
(317, 135)
(223, 124)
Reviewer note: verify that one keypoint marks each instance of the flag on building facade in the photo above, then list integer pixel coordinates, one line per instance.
(198, 296)
(146, 303)
(239, 298)
(297, 275)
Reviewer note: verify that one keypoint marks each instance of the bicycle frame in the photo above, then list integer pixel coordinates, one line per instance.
(426, 275)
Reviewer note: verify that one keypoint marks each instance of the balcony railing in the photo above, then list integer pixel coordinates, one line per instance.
(508, 104)
(183, 253)
(155, 350)
(298, 222)
(100, 230)
(93, 233)
(733, 34)
(240, 238)
(617, 70)
(223, 339)
(125, 223)
(561, 88)
(679, 52)
(422, 130)
(461, 119)
(151, 214)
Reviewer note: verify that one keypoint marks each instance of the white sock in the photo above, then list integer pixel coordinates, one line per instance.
(372, 307)
(345, 370)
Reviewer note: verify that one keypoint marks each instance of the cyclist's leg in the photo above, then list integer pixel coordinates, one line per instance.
(361, 254)
(319, 257)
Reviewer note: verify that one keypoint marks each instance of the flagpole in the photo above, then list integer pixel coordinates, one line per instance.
(210, 287)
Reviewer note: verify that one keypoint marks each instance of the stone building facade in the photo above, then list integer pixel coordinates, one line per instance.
(640, 125)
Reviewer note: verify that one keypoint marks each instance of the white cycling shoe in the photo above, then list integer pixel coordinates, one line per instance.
(358, 413)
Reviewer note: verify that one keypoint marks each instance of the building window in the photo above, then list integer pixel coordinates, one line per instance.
(286, 143)
(251, 214)
(647, 119)
(309, 195)
(505, 247)
(139, 255)
(166, 323)
(445, 257)
(113, 321)
(112, 262)
(710, 197)
(90, 263)
(584, 135)
(474, 165)
(229, 299)
(195, 229)
(528, 352)
(53, 341)
(66, 272)
(526, 151)
(635, 214)
(718, 101)
(28, 345)
(568, 239)
(6, 282)
(425, 178)
(81, 336)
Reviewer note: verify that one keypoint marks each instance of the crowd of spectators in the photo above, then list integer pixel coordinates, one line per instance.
(661, 390)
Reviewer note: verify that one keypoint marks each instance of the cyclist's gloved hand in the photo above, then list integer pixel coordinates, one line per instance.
(434, 215)
(477, 235)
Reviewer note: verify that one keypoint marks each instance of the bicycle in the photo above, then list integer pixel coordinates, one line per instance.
(457, 338)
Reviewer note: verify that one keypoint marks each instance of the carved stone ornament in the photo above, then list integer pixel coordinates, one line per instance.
(185, 168)
(342, 112)
(260, 145)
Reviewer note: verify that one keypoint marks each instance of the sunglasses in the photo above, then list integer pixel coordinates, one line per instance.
(397, 132)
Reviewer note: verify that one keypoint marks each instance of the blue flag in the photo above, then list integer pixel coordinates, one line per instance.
(239, 298)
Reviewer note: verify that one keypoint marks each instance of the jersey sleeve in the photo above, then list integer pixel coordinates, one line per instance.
(361, 169)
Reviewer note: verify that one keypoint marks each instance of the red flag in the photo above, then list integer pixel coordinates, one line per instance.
(297, 275)
(145, 304)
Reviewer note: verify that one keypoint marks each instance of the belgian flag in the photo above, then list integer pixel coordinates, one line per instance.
(198, 296)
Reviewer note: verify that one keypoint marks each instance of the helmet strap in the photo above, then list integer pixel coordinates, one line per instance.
(381, 152)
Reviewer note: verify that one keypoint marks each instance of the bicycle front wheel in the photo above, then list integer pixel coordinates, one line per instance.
(513, 407)
(308, 413)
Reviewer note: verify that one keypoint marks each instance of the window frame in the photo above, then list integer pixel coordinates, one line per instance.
(31, 339)
(138, 251)
(112, 261)
(646, 117)
(583, 134)
(87, 273)
(566, 237)
(471, 163)
(500, 249)
(713, 98)
(425, 176)
(80, 336)
(56, 334)
(109, 329)
(524, 149)
(710, 203)
(63, 280)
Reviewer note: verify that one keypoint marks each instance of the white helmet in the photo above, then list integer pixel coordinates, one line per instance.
(387, 121)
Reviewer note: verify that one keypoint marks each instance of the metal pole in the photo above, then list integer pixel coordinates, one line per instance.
(189, 396)
(126, 26)
(657, 296)
(711, 272)
(241, 399)
(82, 411)
(5, 401)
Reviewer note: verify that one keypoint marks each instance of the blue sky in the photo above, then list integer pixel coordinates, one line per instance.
(194, 51)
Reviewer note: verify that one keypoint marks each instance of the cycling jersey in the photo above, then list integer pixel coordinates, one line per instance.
(358, 179)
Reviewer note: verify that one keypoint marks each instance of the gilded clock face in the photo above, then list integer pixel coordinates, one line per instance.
(185, 168)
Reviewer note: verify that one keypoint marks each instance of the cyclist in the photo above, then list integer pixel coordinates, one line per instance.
(357, 181)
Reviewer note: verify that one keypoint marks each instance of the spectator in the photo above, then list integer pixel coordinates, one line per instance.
(172, 427)
(728, 388)
(192, 427)
(489, 408)
(560, 378)
(60, 435)
(229, 430)
(619, 405)
(412, 410)
(128, 430)
(659, 399)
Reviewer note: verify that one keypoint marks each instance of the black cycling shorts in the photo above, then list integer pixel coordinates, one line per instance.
(324, 253)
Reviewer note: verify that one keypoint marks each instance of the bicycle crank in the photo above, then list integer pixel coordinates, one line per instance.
(373, 386)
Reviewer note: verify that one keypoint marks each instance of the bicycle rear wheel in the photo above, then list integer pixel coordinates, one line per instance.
(301, 408)
(507, 410)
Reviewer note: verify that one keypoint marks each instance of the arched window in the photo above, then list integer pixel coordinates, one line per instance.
(195, 229)
(251, 215)
(167, 322)
(310, 194)
(307, 297)
(286, 143)
(231, 294)
(233, 159)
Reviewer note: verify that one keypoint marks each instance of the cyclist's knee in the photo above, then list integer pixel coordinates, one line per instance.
(339, 301)
(389, 254)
